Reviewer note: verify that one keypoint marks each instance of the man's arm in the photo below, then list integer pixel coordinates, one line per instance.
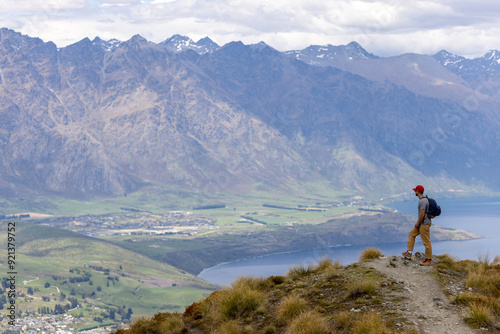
(420, 218)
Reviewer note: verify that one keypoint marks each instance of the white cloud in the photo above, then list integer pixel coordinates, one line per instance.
(384, 27)
(49, 6)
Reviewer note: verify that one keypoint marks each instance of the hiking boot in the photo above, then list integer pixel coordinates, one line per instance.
(407, 255)
(426, 262)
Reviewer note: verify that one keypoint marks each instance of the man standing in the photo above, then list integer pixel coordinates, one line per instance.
(422, 228)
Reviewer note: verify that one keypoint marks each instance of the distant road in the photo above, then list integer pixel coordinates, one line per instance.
(26, 282)
(32, 215)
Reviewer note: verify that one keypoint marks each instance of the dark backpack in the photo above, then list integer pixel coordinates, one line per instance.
(434, 208)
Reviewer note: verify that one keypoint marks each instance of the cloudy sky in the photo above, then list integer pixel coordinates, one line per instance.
(383, 27)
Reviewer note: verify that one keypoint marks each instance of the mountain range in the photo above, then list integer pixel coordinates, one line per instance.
(103, 118)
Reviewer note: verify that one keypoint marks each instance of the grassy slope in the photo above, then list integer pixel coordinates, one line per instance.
(143, 284)
(328, 298)
(478, 292)
(313, 299)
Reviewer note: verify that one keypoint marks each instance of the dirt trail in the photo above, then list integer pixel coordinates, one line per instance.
(425, 305)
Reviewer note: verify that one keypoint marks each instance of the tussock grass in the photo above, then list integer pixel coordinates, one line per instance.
(142, 326)
(328, 267)
(479, 315)
(228, 327)
(299, 271)
(493, 304)
(275, 280)
(238, 301)
(446, 262)
(206, 308)
(172, 324)
(361, 323)
(468, 266)
(371, 323)
(242, 297)
(270, 329)
(361, 287)
(326, 263)
(310, 322)
(482, 277)
(161, 323)
(370, 254)
(249, 282)
(467, 297)
(484, 258)
(291, 307)
(486, 281)
(344, 320)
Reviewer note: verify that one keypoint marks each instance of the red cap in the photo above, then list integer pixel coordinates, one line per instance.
(419, 188)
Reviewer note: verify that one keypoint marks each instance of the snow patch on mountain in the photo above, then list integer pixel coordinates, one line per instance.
(325, 55)
(178, 43)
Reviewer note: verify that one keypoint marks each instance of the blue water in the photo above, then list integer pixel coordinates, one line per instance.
(477, 215)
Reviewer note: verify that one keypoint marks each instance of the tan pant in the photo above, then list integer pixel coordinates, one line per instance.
(425, 235)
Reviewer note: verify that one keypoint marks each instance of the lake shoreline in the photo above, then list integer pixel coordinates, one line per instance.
(357, 230)
(462, 235)
(465, 248)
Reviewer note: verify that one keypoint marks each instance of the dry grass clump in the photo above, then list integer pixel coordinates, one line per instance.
(486, 281)
(467, 297)
(141, 326)
(171, 323)
(310, 322)
(446, 262)
(299, 271)
(344, 320)
(270, 329)
(161, 323)
(250, 282)
(275, 280)
(482, 278)
(484, 259)
(493, 304)
(243, 297)
(468, 266)
(479, 315)
(361, 287)
(371, 323)
(328, 267)
(370, 254)
(291, 307)
(361, 323)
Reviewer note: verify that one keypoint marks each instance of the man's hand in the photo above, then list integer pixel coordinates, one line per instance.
(420, 219)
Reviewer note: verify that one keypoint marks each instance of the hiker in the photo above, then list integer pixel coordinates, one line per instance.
(422, 228)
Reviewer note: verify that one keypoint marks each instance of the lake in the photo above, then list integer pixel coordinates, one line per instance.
(478, 215)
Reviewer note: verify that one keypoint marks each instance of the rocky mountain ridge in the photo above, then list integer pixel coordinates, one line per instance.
(106, 118)
(324, 54)
(178, 43)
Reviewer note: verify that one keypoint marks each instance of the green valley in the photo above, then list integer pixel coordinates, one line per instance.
(60, 271)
